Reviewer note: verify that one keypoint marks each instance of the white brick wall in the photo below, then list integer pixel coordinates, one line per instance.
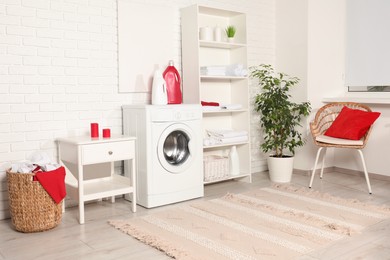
(58, 70)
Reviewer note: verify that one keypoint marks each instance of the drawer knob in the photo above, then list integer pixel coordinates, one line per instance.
(110, 152)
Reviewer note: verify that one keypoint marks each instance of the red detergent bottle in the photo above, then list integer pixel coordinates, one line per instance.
(172, 81)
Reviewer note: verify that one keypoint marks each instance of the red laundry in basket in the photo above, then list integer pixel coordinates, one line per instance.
(53, 182)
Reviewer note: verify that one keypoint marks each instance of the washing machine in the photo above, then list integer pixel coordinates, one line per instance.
(169, 152)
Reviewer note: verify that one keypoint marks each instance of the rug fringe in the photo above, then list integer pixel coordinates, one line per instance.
(149, 239)
(317, 194)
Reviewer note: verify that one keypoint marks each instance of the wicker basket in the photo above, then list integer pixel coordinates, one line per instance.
(215, 167)
(31, 207)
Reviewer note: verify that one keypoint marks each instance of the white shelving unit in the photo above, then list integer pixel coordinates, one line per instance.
(221, 89)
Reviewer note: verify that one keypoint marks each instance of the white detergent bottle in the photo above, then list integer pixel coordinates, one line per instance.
(234, 162)
(159, 89)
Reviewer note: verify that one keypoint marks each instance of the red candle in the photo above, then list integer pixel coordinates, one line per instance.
(94, 130)
(106, 133)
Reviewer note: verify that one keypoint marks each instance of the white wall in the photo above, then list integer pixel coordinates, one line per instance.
(292, 57)
(325, 63)
(59, 70)
(326, 49)
(325, 78)
(291, 43)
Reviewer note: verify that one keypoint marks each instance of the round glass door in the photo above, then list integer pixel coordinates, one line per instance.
(174, 148)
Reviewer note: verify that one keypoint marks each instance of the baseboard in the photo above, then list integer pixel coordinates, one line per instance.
(345, 171)
(356, 172)
(308, 172)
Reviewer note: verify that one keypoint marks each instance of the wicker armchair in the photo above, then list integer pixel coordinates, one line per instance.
(322, 121)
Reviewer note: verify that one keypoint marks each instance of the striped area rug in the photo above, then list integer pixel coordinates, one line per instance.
(280, 222)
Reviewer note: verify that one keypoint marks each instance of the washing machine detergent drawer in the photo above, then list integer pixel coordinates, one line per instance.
(175, 115)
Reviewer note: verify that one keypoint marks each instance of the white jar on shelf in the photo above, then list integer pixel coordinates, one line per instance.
(206, 33)
(234, 161)
(217, 34)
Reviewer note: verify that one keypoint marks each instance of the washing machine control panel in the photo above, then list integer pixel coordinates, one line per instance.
(187, 115)
(177, 113)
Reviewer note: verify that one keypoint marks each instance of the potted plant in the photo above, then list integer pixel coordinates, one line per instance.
(280, 119)
(230, 32)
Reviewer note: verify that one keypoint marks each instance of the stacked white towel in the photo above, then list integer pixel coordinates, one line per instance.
(213, 70)
(225, 136)
(228, 70)
(236, 70)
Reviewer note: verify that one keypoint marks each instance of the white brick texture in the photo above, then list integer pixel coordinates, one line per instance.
(59, 69)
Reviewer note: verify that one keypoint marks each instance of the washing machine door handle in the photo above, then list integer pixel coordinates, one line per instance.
(191, 147)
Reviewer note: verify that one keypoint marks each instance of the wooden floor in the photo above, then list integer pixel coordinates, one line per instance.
(98, 240)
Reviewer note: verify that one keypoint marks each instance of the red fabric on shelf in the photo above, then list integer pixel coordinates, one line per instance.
(214, 104)
(53, 182)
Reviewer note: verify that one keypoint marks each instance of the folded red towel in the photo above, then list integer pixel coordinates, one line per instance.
(53, 182)
(214, 104)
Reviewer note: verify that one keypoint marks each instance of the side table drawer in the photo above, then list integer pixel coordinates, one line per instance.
(107, 152)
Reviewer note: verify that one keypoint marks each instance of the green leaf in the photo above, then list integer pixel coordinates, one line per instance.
(279, 116)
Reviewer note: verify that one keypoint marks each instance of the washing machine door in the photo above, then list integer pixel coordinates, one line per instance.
(176, 147)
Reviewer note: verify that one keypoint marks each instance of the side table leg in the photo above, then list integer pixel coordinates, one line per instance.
(133, 203)
(133, 182)
(81, 188)
(81, 212)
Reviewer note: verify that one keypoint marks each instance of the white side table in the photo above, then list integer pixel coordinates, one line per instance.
(78, 152)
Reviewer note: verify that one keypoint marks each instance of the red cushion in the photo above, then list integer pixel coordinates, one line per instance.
(351, 124)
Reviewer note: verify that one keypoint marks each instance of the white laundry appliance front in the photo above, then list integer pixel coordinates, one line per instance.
(169, 152)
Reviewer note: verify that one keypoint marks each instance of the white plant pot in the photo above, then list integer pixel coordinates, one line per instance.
(280, 169)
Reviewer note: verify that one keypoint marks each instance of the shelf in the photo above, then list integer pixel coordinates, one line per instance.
(221, 45)
(231, 78)
(228, 178)
(222, 111)
(107, 187)
(224, 145)
(103, 187)
(205, 10)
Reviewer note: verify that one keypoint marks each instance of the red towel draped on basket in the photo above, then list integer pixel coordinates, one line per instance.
(53, 182)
